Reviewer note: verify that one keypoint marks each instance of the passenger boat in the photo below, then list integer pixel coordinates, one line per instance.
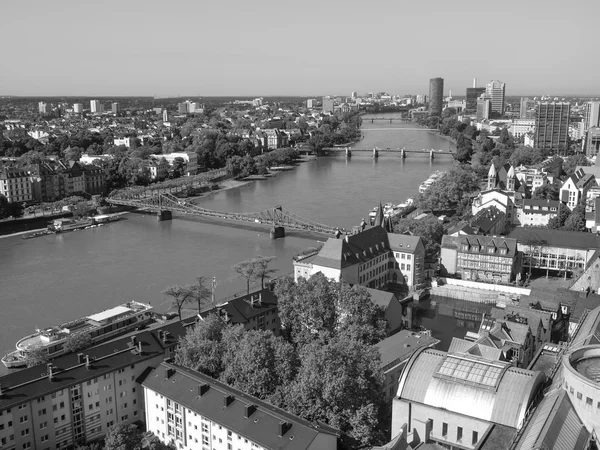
(389, 210)
(429, 181)
(100, 327)
(62, 225)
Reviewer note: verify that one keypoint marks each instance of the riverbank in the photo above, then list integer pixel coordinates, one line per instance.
(447, 138)
(225, 185)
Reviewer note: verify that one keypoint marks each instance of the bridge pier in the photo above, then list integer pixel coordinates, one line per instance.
(164, 214)
(277, 232)
(348, 153)
(431, 155)
(375, 153)
(402, 153)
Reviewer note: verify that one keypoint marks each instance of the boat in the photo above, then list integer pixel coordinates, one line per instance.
(35, 234)
(100, 327)
(68, 224)
(435, 176)
(389, 210)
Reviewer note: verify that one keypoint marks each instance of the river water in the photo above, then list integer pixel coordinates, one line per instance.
(52, 279)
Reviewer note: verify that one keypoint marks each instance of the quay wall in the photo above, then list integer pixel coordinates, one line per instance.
(471, 295)
(29, 223)
(486, 286)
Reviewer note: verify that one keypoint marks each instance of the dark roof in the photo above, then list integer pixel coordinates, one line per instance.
(27, 384)
(241, 309)
(487, 218)
(262, 426)
(486, 242)
(557, 238)
(400, 346)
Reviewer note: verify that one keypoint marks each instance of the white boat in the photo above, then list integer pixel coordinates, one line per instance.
(429, 181)
(101, 326)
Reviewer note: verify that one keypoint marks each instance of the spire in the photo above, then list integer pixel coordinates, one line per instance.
(379, 218)
(492, 177)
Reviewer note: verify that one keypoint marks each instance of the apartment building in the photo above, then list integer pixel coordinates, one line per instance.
(552, 124)
(190, 160)
(77, 397)
(197, 412)
(159, 168)
(15, 185)
(537, 213)
(575, 188)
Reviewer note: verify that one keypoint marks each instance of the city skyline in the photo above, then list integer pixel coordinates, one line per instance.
(153, 48)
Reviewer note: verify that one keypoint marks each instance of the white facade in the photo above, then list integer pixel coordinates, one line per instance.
(96, 106)
(159, 169)
(520, 127)
(77, 108)
(15, 185)
(89, 159)
(122, 141)
(191, 160)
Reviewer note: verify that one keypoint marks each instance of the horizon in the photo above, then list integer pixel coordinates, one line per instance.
(146, 46)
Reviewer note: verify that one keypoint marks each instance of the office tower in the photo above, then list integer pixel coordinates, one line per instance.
(116, 110)
(77, 108)
(552, 125)
(310, 103)
(472, 95)
(165, 115)
(43, 107)
(527, 109)
(328, 104)
(495, 89)
(484, 106)
(592, 115)
(354, 95)
(182, 108)
(95, 106)
(436, 95)
(474, 82)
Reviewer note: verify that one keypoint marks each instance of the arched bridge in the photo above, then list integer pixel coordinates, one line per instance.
(277, 216)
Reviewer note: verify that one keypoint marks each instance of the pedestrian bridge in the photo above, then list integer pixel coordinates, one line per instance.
(279, 217)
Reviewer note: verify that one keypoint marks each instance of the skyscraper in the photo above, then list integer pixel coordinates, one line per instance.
(527, 109)
(472, 96)
(436, 95)
(484, 106)
(43, 107)
(95, 106)
(116, 109)
(495, 89)
(77, 108)
(552, 125)
(592, 115)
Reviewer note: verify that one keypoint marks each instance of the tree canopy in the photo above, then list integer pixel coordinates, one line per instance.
(430, 229)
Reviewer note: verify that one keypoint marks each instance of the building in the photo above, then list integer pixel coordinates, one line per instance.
(483, 107)
(591, 115)
(275, 138)
(43, 107)
(555, 250)
(395, 352)
(77, 108)
(520, 127)
(254, 311)
(311, 103)
(552, 125)
(77, 397)
(436, 95)
(399, 313)
(328, 105)
(122, 141)
(196, 411)
(574, 189)
(115, 109)
(462, 401)
(537, 213)
(527, 109)
(495, 89)
(182, 108)
(504, 200)
(89, 159)
(94, 179)
(473, 93)
(159, 168)
(488, 259)
(592, 142)
(165, 115)
(96, 106)
(511, 335)
(533, 178)
(371, 258)
(15, 185)
(190, 160)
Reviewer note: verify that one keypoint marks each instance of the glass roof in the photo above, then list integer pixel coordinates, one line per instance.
(469, 370)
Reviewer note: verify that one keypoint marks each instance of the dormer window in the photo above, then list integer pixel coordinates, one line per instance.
(465, 247)
(491, 249)
(503, 251)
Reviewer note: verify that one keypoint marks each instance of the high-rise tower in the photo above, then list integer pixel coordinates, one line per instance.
(436, 95)
(495, 89)
(552, 124)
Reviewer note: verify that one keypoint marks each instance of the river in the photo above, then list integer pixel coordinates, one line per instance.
(52, 279)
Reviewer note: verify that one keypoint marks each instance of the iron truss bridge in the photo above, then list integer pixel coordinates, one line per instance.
(277, 216)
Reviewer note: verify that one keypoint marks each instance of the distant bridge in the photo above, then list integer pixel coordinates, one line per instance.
(376, 151)
(279, 217)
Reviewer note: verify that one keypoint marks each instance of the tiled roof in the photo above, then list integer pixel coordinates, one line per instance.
(401, 345)
(242, 309)
(27, 384)
(556, 238)
(484, 243)
(183, 386)
(532, 316)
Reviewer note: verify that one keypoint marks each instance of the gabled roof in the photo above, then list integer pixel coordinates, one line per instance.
(263, 424)
(399, 346)
(242, 309)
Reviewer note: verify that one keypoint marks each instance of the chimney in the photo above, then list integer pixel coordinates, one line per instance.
(474, 82)
(284, 427)
(50, 374)
(140, 347)
(346, 238)
(228, 400)
(169, 372)
(133, 341)
(87, 361)
(1, 390)
(260, 298)
(80, 358)
(165, 336)
(203, 389)
(160, 332)
(249, 410)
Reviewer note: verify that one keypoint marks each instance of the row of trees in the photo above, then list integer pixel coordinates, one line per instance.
(324, 367)
(127, 437)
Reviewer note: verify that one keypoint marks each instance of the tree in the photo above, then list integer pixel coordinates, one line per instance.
(576, 220)
(257, 362)
(571, 163)
(201, 292)
(430, 229)
(320, 308)
(340, 383)
(76, 342)
(525, 156)
(201, 348)
(123, 437)
(247, 270)
(449, 190)
(559, 220)
(152, 442)
(181, 295)
(36, 355)
(546, 192)
(262, 269)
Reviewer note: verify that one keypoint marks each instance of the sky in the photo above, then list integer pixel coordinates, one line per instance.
(304, 48)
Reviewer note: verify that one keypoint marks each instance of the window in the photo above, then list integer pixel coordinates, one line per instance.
(25, 432)
(23, 419)
(579, 396)
(475, 437)
(589, 402)
(43, 425)
(444, 429)
(459, 431)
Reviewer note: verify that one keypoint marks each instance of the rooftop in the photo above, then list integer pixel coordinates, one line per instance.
(402, 345)
(248, 416)
(555, 238)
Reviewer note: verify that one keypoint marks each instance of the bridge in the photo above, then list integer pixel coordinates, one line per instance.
(376, 151)
(390, 119)
(164, 204)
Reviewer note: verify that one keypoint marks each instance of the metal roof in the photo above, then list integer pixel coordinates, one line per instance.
(490, 390)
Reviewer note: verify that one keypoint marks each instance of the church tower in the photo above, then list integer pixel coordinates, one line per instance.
(491, 177)
(511, 179)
